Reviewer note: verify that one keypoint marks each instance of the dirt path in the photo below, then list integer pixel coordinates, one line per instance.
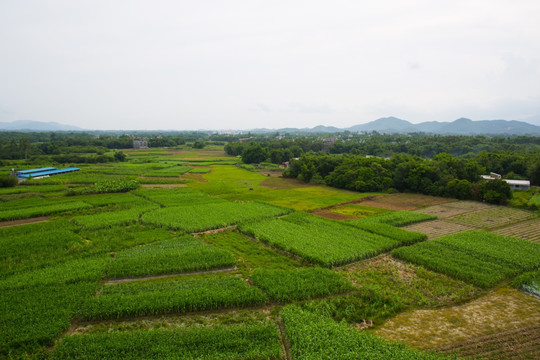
(24, 221)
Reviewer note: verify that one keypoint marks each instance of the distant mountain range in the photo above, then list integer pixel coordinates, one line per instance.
(460, 126)
(31, 125)
(391, 124)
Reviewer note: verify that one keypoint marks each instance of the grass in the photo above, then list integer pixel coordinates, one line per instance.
(112, 218)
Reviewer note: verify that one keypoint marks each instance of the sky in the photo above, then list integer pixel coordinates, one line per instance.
(185, 65)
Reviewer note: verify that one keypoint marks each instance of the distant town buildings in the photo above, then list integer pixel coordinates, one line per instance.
(514, 184)
(140, 144)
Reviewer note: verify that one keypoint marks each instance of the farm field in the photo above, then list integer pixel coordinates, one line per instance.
(207, 260)
(437, 228)
(500, 310)
(494, 217)
(529, 230)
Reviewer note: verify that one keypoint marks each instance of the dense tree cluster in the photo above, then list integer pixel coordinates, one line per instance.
(443, 175)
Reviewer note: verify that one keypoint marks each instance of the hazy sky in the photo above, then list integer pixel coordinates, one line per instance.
(245, 64)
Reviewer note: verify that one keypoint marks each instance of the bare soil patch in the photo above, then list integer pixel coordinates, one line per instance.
(403, 201)
(437, 228)
(493, 217)
(443, 211)
(519, 343)
(332, 215)
(24, 221)
(528, 230)
(162, 186)
(278, 183)
(500, 310)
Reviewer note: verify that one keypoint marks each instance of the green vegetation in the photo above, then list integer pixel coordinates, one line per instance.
(251, 254)
(299, 284)
(404, 237)
(171, 296)
(529, 281)
(406, 284)
(237, 342)
(401, 218)
(177, 197)
(51, 207)
(318, 240)
(478, 257)
(112, 218)
(201, 217)
(182, 254)
(173, 171)
(319, 337)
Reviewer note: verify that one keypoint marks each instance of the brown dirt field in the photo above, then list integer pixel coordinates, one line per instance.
(494, 217)
(332, 215)
(272, 173)
(500, 310)
(24, 221)
(403, 201)
(528, 230)
(470, 205)
(162, 186)
(436, 228)
(443, 211)
(520, 343)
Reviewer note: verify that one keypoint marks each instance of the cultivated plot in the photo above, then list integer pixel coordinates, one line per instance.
(522, 343)
(498, 311)
(403, 201)
(528, 230)
(437, 228)
(494, 217)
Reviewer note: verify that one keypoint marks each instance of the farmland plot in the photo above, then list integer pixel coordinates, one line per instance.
(318, 240)
(500, 310)
(112, 218)
(437, 228)
(123, 200)
(243, 341)
(494, 217)
(177, 197)
(444, 211)
(401, 218)
(403, 201)
(183, 254)
(314, 336)
(515, 344)
(197, 293)
(201, 217)
(299, 284)
(528, 230)
(48, 207)
(478, 257)
(403, 236)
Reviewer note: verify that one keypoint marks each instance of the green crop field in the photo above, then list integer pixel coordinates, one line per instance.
(178, 255)
(325, 242)
(200, 256)
(478, 257)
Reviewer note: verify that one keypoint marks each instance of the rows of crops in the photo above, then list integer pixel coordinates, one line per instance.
(173, 171)
(182, 254)
(171, 296)
(299, 284)
(321, 241)
(404, 237)
(244, 341)
(201, 217)
(481, 258)
(177, 197)
(112, 218)
(401, 218)
(313, 336)
(46, 208)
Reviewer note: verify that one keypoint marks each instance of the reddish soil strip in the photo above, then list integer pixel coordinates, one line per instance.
(162, 186)
(118, 281)
(436, 228)
(528, 230)
(520, 343)
(403, 201)
(23, 221)
(332, 215)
